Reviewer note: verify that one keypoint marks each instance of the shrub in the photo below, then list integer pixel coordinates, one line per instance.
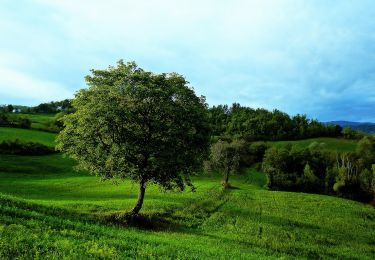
(257, 151)
(24, 148)
(308, 180)
(14, 121)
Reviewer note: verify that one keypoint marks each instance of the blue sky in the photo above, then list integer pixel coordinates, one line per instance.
(311, 57)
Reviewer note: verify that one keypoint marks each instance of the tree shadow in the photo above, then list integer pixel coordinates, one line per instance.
(150, 222)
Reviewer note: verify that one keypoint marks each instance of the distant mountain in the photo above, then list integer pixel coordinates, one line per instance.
(366, 127)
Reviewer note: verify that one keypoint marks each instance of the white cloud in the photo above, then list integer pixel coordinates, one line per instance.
(15, 84)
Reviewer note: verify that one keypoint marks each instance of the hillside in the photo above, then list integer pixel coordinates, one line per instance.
(365, 127)
(332, 144)
(49, 211)
(27, 135)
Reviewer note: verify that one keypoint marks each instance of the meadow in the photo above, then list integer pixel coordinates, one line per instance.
(39, 121)
(27, 135)
(48, 211)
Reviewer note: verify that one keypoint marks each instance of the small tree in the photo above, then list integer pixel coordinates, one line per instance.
(129, 123)
(366, 151)
(225, 157)
(308, 179)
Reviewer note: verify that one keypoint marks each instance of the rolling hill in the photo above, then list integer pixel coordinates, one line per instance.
(365, 127)
(49, 211)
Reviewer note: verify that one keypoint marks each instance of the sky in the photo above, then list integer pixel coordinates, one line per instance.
(299, 56)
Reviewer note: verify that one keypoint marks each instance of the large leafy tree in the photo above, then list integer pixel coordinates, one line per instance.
(130, 123)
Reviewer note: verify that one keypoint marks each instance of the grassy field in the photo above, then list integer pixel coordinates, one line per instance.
(38, 120)
(27, 135)
(48, 211)
(333, 144)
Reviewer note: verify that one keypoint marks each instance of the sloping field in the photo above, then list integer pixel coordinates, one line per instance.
(333, 144)
(50, 211)
(27, 135)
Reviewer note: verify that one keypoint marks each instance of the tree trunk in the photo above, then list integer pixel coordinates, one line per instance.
(141, 196)
(226, 179)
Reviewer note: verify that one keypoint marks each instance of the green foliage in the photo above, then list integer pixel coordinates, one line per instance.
(350, 133)
(366, 151)
(130, 123)
(285, 167)
(12, 120)
(52, 107)
(260, 124)
(330, 144)
(24, 148)
(225, 157)
(354, 177)
(314, 169)
(308, 179)
(257, 151)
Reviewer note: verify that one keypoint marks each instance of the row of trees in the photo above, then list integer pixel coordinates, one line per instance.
(260, 124)
(50, 107)
(313, 169)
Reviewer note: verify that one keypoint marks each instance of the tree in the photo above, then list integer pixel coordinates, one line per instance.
(349, 133)
(225, 157)
(10, 108)
(366, 151)
(135, 124)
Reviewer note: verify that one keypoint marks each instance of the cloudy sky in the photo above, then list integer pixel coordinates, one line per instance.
(311, 57)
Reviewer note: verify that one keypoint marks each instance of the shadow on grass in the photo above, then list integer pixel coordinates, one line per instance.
(153, 221)
(173, 219)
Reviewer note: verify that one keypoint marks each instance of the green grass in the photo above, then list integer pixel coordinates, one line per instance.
(49, 211)
(38, 120)
(333, 144)
(27, 135)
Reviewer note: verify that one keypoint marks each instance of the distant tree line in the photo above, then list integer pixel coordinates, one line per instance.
(250, 124)
(50, 107)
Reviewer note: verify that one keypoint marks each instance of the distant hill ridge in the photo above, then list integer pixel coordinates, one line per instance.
(366, 127)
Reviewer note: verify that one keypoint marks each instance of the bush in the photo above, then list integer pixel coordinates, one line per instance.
(293, 169)
(14, 121)
(350, 133)
(308, 180)
(257, 151)
(24, 148)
